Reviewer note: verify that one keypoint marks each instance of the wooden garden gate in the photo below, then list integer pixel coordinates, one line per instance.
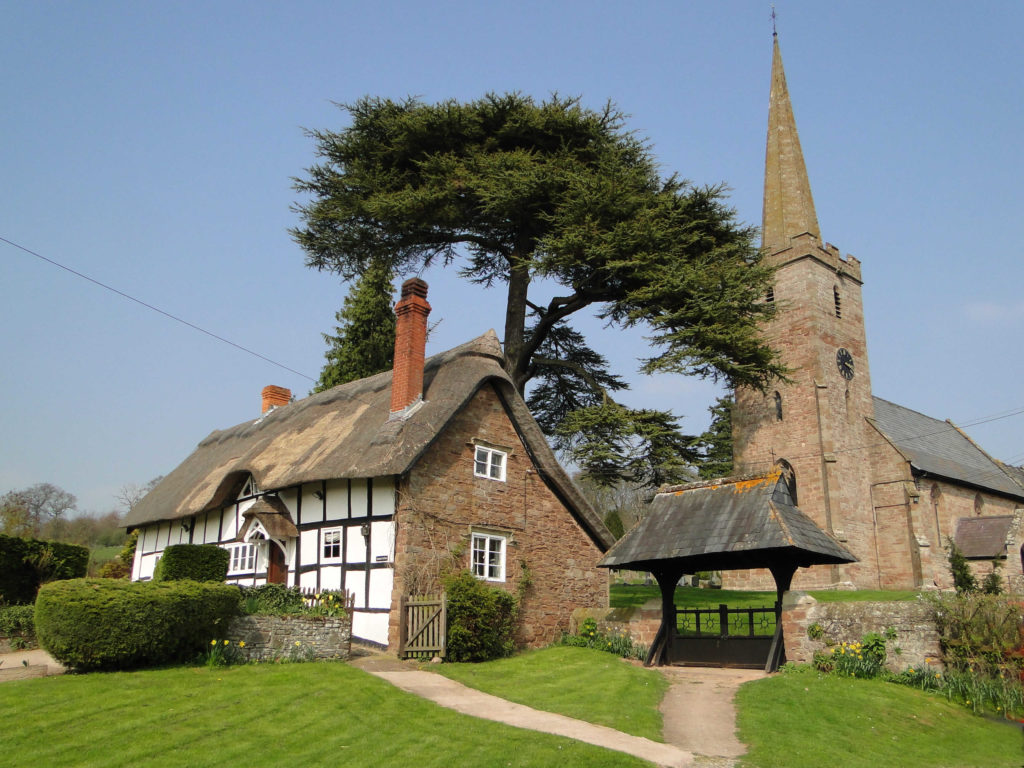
(421, 630)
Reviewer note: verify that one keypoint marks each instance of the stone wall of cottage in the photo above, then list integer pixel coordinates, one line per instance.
(268, 638)
(441, 503)
(916, 634)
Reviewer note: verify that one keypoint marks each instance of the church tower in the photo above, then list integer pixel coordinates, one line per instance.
(815, 423)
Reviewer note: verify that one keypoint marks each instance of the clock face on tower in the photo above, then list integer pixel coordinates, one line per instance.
(844, 361)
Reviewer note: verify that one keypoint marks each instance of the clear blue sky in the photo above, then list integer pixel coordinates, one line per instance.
(151, 146)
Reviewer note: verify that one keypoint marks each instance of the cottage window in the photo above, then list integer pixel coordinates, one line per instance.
(243, 558)
(489, 556)
(330, 544)
(489, 463)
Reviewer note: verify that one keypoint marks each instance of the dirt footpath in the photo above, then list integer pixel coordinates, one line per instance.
(698, 711)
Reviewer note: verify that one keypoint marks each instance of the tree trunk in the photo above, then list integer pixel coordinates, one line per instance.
(515, 323)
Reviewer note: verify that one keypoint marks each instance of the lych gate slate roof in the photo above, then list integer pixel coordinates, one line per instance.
(983, 537)
(345, 432)
(727, 524)
(938, 448)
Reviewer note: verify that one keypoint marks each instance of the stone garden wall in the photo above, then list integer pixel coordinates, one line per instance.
(916, 634)
(268, 638)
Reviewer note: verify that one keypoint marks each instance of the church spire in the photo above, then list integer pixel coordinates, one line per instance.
(788, 205)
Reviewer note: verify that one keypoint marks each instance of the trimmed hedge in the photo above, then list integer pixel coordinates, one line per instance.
(112, 624)
(194, 562)
(17, 625)
(481, 619)
(27, 563)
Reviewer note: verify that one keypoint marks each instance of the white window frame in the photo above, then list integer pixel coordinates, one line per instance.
(483, 553)
(489, 463)
(243, 558)
(335, 539)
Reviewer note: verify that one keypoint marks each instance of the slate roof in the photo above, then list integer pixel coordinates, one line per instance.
(983, 537)
(727, 524)
(939, 448)
(345, 432)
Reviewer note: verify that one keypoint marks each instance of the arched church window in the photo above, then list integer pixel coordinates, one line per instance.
(789, 477)
(778, 407)
(979, 504)
(839, 304)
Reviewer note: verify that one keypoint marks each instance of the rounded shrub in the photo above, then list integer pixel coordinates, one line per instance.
(481, 619)
(111, 624)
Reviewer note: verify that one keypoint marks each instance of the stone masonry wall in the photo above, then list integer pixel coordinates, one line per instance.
(641, 624)
(268, 638)
(916, 634)
(441, 503)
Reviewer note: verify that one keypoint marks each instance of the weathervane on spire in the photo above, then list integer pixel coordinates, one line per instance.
(774, 33)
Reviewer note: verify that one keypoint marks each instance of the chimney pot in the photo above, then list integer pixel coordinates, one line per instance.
(410, 345)
(275, 396)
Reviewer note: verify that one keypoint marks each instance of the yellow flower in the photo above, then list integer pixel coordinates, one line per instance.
(227, 642)
(213, 642)
(241, 643)
(298, 643)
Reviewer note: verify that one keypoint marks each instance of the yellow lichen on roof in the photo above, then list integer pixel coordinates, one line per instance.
(750, 484)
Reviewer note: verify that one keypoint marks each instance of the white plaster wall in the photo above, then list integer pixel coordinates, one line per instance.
(310, 543)
(382, 541)
(330, 577)
(383, 496)
(312, 507)
(337, 499)
(358, 498)
(381, 582)
(355, 582)
(355, 550)
(371, 626)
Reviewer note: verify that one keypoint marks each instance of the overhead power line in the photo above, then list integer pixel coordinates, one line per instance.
(122, 294)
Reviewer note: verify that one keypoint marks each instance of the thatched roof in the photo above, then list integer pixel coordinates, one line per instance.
(346, 432)
(273, 515)
(726, 524)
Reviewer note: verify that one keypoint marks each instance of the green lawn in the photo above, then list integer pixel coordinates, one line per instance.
(578, 682)
(311, 714)
(807, 720)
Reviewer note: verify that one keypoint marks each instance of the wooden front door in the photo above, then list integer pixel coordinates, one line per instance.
(277, 570)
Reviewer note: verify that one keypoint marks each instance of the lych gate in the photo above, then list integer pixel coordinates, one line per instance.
(721, 525)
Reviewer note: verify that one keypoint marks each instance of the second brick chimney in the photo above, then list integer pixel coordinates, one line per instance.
(275, 396)
(410, 345)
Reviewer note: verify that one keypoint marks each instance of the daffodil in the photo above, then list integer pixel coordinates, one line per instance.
(297, 643)
(213, 642)
(241, 643)
(227, 642)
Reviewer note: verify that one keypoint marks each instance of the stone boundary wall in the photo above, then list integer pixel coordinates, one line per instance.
(916, 633)
(268, 638)
(641, 624)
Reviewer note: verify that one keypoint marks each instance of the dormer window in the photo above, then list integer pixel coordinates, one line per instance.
(249, 489)
(489, 463)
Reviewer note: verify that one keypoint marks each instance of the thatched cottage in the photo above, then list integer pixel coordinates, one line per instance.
(380, 485)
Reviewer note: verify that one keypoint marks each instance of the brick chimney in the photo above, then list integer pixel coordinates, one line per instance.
(275, 396)
(410, 345)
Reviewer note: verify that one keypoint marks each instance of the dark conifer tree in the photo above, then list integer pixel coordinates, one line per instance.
(363, 343)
